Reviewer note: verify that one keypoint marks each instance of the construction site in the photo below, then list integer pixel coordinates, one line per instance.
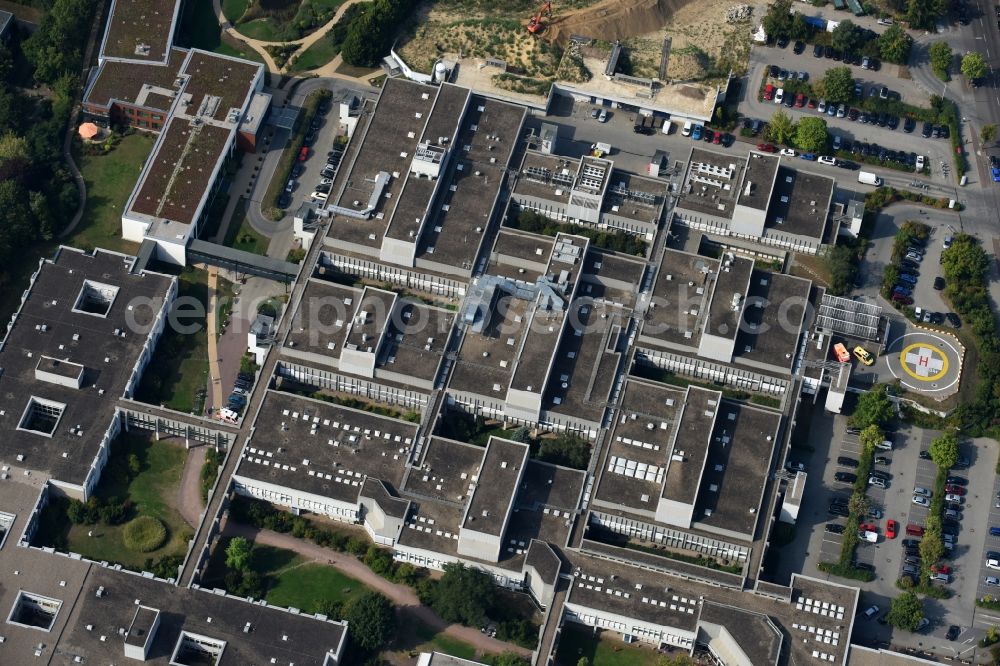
(636, 54)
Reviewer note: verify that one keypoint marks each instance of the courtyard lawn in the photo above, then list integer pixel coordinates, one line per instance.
(234, 9)
(177, 376)
(152, 491)
(110, 179)
(431, 641)
(317, 55)
(576, 642)
(241, 236)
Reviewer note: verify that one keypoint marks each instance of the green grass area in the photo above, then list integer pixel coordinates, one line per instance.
(199, 28)
(576, 642)
(241, 236)
(177, 376)
(429, 640)
(224, 297)
(289, 578)
(265, 29)
(234, 9)
(110, 179)
(152, 490)
(321, 52)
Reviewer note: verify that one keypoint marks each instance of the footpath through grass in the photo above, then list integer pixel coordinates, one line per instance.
(110, 179)
(177, 376)
(143, 472)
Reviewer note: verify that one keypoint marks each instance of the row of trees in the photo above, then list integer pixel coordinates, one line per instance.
(893, 45)
(973, 65)
(809, 134)
(36, 192)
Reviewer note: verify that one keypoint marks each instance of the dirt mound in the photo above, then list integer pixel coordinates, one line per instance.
(612, 19)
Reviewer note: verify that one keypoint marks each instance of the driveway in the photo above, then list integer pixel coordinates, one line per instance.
(401, 595)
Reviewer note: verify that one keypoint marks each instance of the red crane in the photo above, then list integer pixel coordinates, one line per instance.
(535, 25)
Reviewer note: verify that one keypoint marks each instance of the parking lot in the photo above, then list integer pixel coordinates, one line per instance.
(937, 151)
(311, 174)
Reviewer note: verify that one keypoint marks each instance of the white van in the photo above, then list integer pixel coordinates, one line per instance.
(687, 128)
(667, 126)
(868, 178)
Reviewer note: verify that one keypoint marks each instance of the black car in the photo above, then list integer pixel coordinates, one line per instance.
(853, 114)
(324, 107)
(828, 52)
(799, 47)
(789, 100)
(925, 455)
(945, 132)
(834, 528)
(874, 64)
(893, 122)
(838, 510)
(316, 122)
(912, 551)
(927, 130)
(953, 319)
(284, 200)
(728, 139)
(995, 161)
(882, 119)
(297, 169)
(936, 131)
(817, 51)
(954, 506)
(909, 124)
(847, 462)
(962, 463)
(747, 123)
(847, 164)
(837, 55)
(782, 42)
(953, 632)
(845, 477)
(937, 318)
(773, 71)
(911, 543)
(957, 481)
(879, 474)
(310, 139)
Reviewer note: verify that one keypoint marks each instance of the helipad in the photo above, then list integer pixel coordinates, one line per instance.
(927, 362)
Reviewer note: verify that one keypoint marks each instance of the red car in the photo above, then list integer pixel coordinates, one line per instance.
(769, 92)
(767, 147)
(954, 490)
(867, 527)
(941, 568)
(890, 529)
(811, 103)
(902, 300)
(717, 139)
(915, 530)
(800, 100)
(304, 154)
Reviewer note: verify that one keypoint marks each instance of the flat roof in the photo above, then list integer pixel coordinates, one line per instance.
(712, 183)
(370, 320)
(755, 188)
(800, 203)
(447, 471)
(324, 448)
(137, 83)
(689, 452)
(319, 324)
(753, 632)
(140, 30)
(214, 76)
(49, 324)
(634, 197)
(684, 283)
(485, 360)
(543, 176)
(542, 339)
(729, 298)
(388, 145)
(179, 172)
(92, 628)
(415, 339)
(773, 318)
(602, 266)
(585, 363)
(432, 525)
(640, 433)
(520, 255)
(545, 507)
(503, 465)
(489, 133)
(739, 458)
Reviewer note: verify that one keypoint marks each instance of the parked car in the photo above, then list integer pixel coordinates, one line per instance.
(847, 462)
(953, 319)
(826, 159)
(923, 492)
(890, 529)
(863, 355)
(871, 612)
(939, 283)
(921, 501)
(845, 477)
(957, 481)
(834, 528)
(953, 632)
(951, 497)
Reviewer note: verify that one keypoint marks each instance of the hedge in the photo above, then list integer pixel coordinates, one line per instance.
(144, 534)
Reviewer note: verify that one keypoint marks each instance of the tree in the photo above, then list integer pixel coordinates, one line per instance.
(931, 546)
(811, 135)
(509, 659)
(778, 19)
(840, 262)
(944, 451)
(964, 262)
(859, 504)
(522, 434)
(371, 622)
(988, 133)
(871, 437)
(238, 554)
(973, 66)
(940, 56)
(582, 661)
(873, 408)
(838, 84)
(463, 594)
(894, 45)
(924, 14)
(800, 28)
(906, 611)
(780, 128)
(846, 37)
(567, 450)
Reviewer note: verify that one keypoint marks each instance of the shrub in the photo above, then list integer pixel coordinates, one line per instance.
(144, 534)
